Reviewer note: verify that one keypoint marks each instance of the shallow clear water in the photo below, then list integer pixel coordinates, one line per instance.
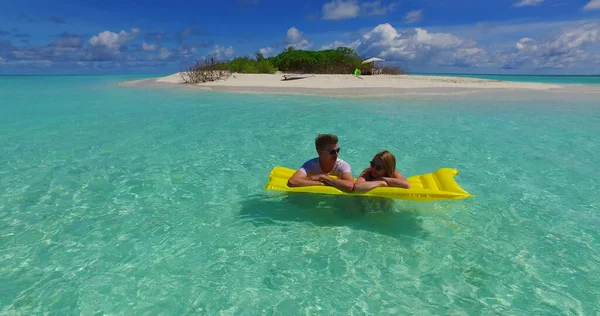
(128, 200)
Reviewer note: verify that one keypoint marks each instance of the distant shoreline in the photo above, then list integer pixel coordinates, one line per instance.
(370, 86)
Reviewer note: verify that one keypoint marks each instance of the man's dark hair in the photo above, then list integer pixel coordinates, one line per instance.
(323, 140)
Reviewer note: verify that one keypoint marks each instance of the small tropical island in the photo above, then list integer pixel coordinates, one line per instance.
(332, 72)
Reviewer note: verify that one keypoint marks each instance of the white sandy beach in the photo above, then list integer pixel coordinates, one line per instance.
(374, 85)
(351, 82)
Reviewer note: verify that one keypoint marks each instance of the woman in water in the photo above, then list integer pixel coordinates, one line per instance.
(381, 173)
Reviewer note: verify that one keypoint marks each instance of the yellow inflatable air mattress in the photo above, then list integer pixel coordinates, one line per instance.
(438, 185)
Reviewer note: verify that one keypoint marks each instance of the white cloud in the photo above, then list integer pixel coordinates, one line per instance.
(347, 9)
(187, 52)
(107, 46)
(293, 38)
(164, 53)
(35, 63)
(296, 39)
(149, 47)
(566, 49)
(111, 41)
(337, 44)
(267, 51)
(528, 3)
(340, 9)
(577, 37)
(524, 43)
(376, 8)
(104, 51)
(222, 52)
(418, 46)
(573, 45)
(413, 16)
(592, 5)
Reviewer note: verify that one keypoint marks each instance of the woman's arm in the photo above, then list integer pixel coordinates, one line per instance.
(364, 183)
(397, 181)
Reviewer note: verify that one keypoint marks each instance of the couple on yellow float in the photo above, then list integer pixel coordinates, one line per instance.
(328, 174)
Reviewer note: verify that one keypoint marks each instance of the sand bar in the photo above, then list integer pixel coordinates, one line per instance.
(368, 86)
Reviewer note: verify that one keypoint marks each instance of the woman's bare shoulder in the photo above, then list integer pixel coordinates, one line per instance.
(398, 175)
(365, 174)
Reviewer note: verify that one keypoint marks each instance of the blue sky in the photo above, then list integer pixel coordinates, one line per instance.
(461, 36)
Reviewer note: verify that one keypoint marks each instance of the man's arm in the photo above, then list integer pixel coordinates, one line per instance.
(344, 183)
(299, 179)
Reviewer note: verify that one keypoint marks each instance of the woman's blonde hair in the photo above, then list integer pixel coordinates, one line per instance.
(389, 162)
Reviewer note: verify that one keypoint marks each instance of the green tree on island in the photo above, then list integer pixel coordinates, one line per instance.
(342, 60)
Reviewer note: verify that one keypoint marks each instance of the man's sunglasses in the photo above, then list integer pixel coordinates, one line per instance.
(334, 151)
(377, 167)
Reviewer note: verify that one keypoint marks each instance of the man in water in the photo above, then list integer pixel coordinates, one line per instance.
(317, 171)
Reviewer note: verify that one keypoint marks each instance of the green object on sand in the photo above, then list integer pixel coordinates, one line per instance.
(357, 72)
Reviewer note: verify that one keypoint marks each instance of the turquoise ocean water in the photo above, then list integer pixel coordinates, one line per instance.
(131, 200)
